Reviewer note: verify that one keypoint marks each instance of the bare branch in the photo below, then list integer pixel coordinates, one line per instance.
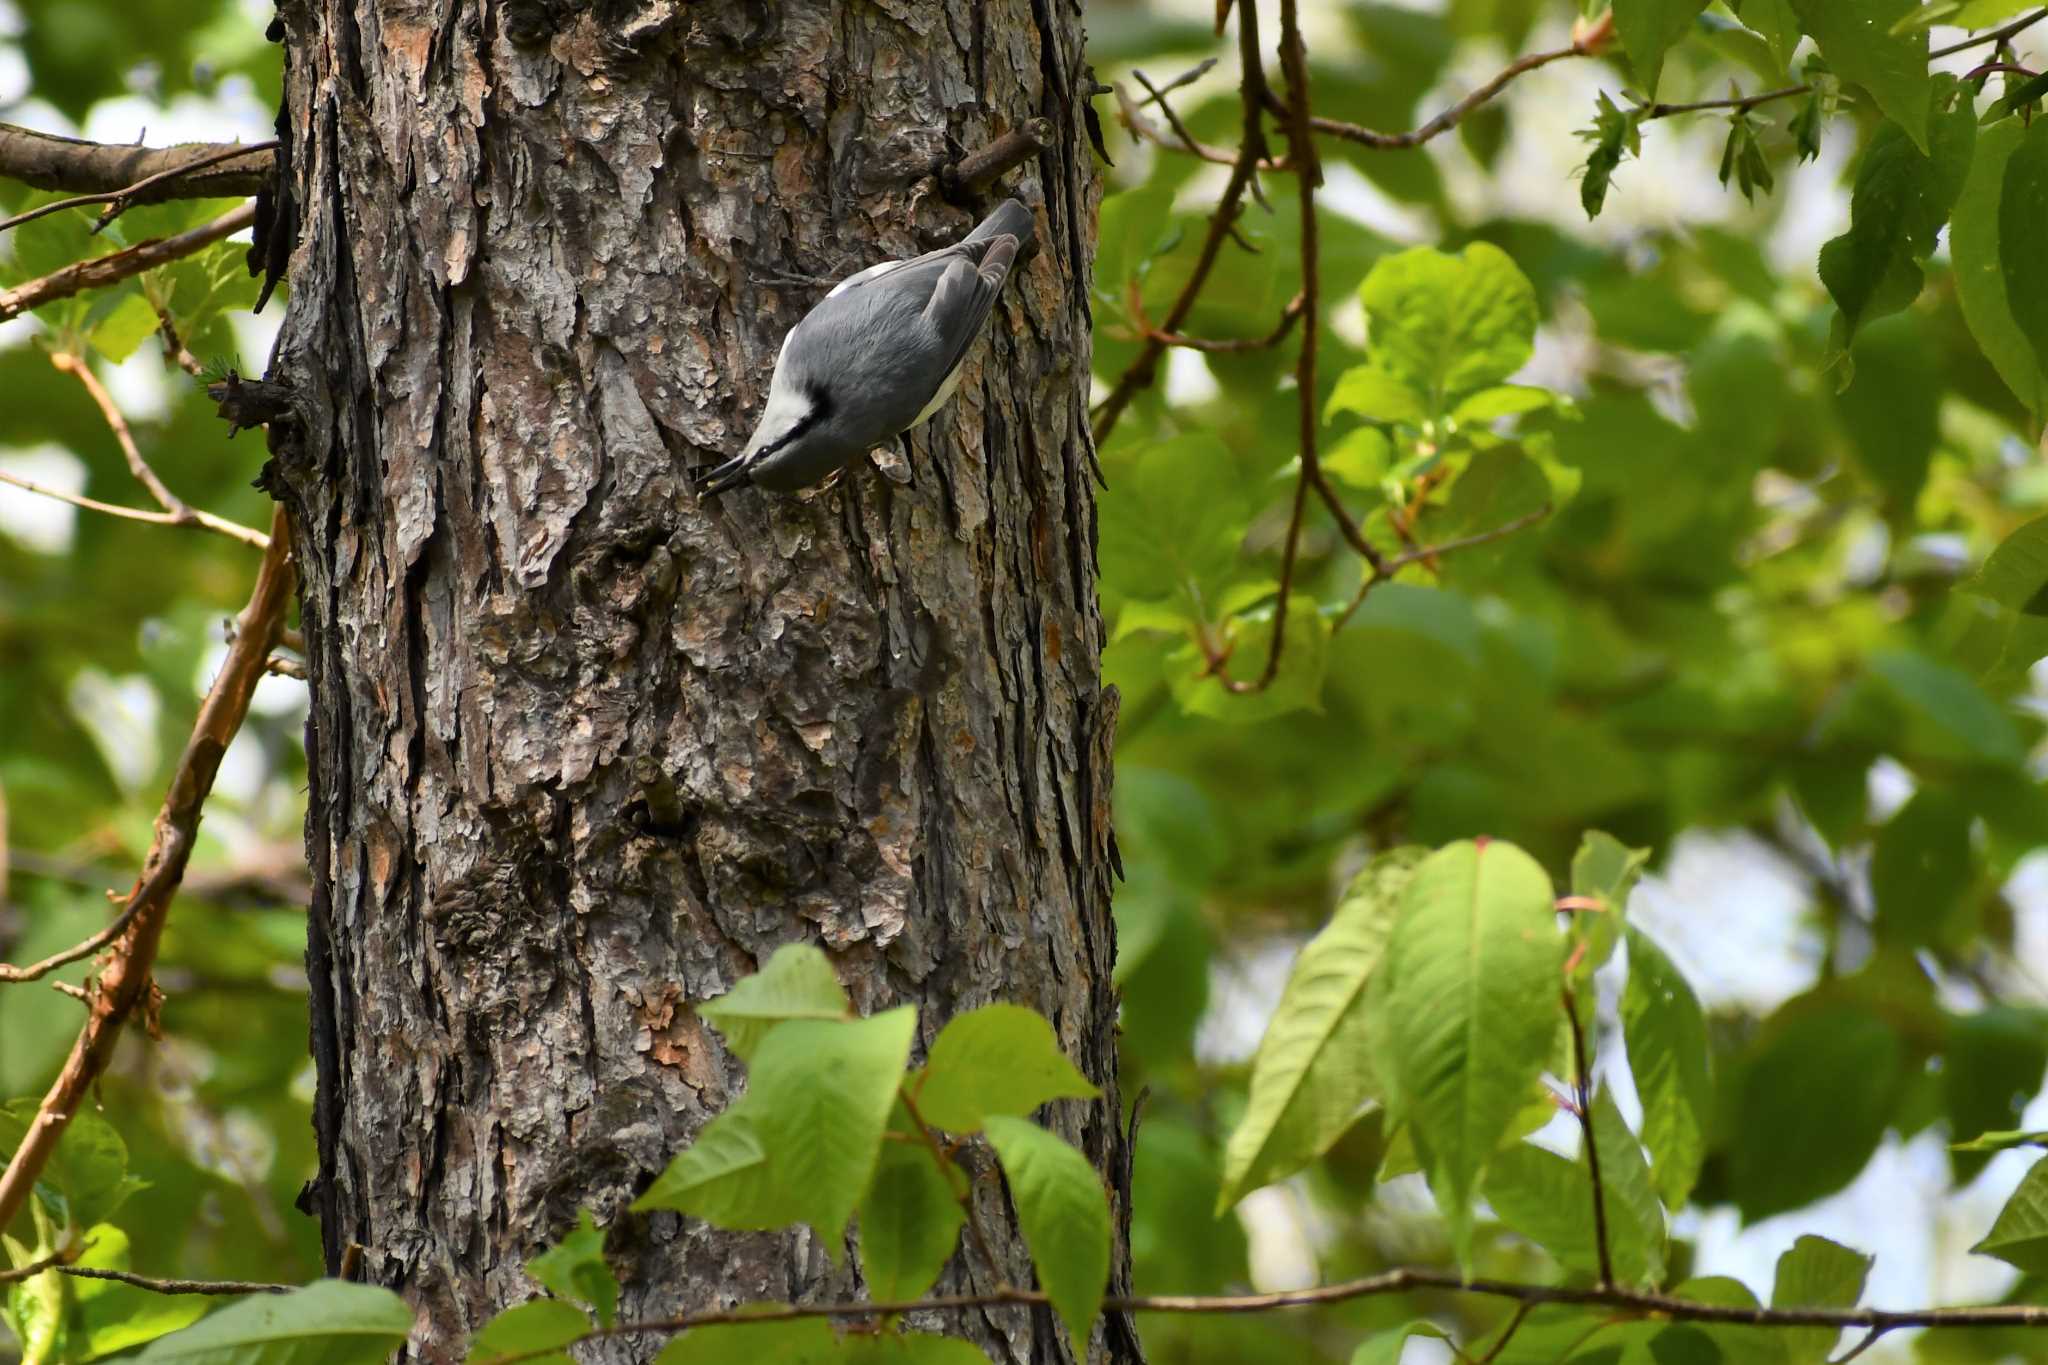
(978, 170)
(124, 984)
(49, 162)
(161, 1286)
(1740, 104)
(150, 187)
(1587, 42)
(1995, 35)
(179, 514)
(33, 1268)
(99, 271)
(112, 509)
(1135, 303)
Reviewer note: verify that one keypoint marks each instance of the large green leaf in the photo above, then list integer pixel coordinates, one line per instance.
(802, 1341)
(802, 1143)
(1649, 29)
(1774, 22)
(1474, 971)
(1634, 1213)
(1668, 1055)
(1993, 1062)
(1549, 1200)
(1920, 871)
(2022, 209)
(909, 1223)
(1172, 519)
(1817, 1273)
(1903, 195)
(797, 983)
(332, 1322)
(1976, 246)
(1440, 328)
(1313, 1072)
(1861, 45)
(1064, 1214)
(2019, 1237)
(575, 1269)
(108, 1316)
(86, 1179)
(999, 1059)
(536, 1325)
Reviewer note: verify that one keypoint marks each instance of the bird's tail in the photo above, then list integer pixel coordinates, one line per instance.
(1012, 218)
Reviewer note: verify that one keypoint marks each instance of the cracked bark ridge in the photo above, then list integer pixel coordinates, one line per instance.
(583, 752)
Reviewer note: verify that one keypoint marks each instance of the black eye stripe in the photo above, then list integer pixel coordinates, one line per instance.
(821, 408)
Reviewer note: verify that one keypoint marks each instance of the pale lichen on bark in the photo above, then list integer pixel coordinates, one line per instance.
(584, 752)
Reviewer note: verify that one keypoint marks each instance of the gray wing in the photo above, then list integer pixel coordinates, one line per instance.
(965, 293)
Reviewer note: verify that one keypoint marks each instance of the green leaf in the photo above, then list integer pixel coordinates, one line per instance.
(1734, 1345)
(329, 1322)
(802, 1142)
(1304, 659)
(2022, 208)
(1613, 133)
(1313, 1072)
(1650, 28)
(87, 1176)
(1064, 1214)
(1860, 46)
(1775, 23)
(1385, 1348)
(108, 1316)
(2019, 1237)
(1444, 327)
(1502, 400)
(1604, 870)
(1920, 870)
(536, 1325)
(1902, 196)
(1956, 717)
(1666, 1035)
(999, 1059)
(1473, 969)
(1375, 395)
(575, 1268)
(802, 1341)
(909, 1223)
(1975, 237)
(1817, 1273)
(1635, 1216)
(797, 983)
(1821, 1083)
(1994, 1060)
(1172, 520)
(116, 332)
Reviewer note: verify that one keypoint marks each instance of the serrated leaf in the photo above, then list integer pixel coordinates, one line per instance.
(329, 1322)
(1975, 248)
(1064, 1214)
(1817, 1273)
(1859, 44)
(536, 1325)
(2019, 1237)
(909, 1223)
(797, 983)
(1650, 28)
(1635, 1215)
(1444, 327)
(1313, 1073)
(1666, 1036)
(999, 1059)
(1473, 967)
(575, 1269)
(1902, 196)
(802, 1142)
(2022, 208)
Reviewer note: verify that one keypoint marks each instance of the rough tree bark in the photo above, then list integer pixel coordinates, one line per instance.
(583, 752)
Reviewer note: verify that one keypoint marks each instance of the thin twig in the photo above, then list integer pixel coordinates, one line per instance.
(181, 515)
(1869, 1340)
(1143, 372)
(119, 200)
(1582, 1085)
(1588, 42)
(1185, 78)
(1429, 553)
(1996, 35)
(1629, 1303)
(1740, 104)
(124, 984)
(10, 975)
(1135, 303)
(99, 271)
(1158, 96)
(125, 513)
(32, 1269)
(160, 1286)
(279, 666)
(1522, 1311)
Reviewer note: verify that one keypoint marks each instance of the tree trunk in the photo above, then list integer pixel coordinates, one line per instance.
(584, 751)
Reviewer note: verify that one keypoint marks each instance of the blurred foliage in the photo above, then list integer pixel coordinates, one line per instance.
(1792, 559)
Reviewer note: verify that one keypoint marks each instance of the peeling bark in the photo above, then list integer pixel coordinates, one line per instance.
(582, 752)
